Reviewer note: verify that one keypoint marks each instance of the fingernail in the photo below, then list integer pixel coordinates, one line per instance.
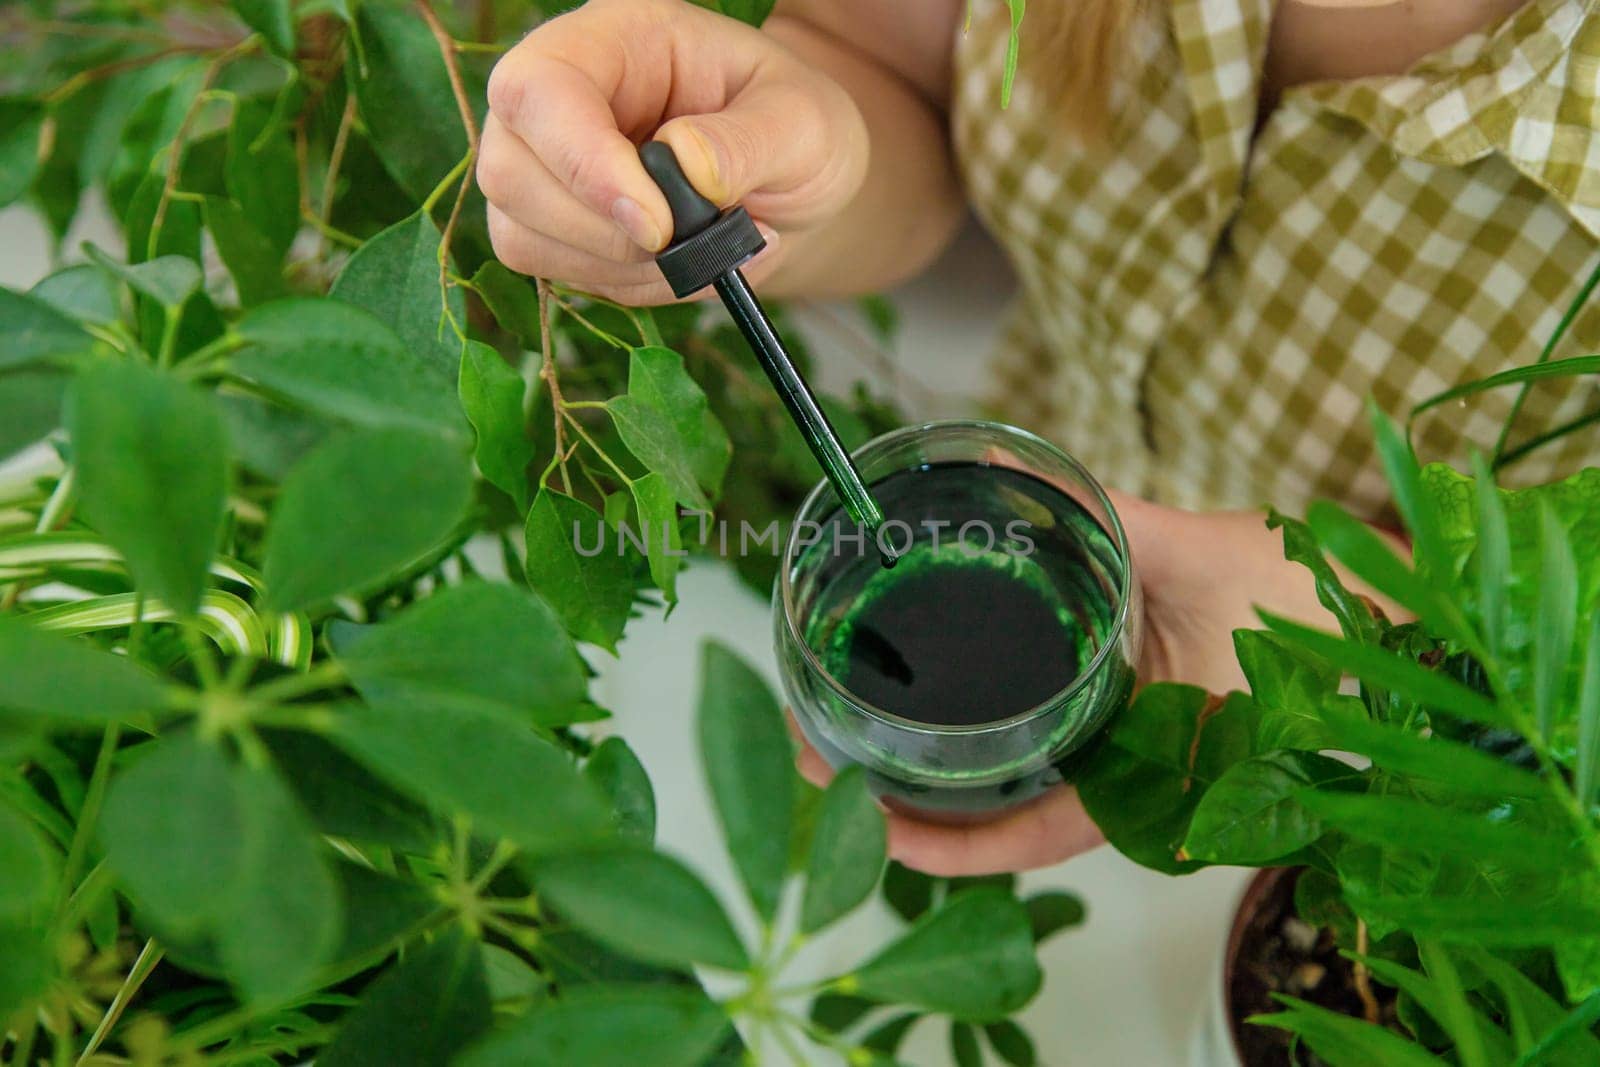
(714, 187)
(637, 224)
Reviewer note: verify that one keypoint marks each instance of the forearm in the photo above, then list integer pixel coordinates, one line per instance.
(909, 204)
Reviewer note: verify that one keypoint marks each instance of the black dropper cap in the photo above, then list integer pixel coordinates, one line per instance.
(706, 242)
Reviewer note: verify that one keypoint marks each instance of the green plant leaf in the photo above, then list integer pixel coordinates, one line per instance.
(748, 762)
(642, 904)
(1344, 1041)
(261, 174)
(848, 850)
(1586, 779)
(964, 1046)
(30, 407)
(1525, 919)
(1011, 1043)
(30, 966)
(616, 771)
(152, 461)
(658, 520)
(69, 680)
(406, 102)
(666, 422)
(1400, 822)
(609, 1026)
(839, 1011)
(338, 360)
(380, 911)
(395, 276)
(344, 798)
(80, 292)
(272, 19)
(508, 781)
(34, 331)
(1557, 618)
(1494, 557)
(282, 920)
(1405, 481)
(1581, 1020)
(420, 1013)
(1252, 814)
(484, 646)
(972, 959)
(1051, 912)
(1402, 676)
(491, 395)
(1300, 546)
(574, 563)
(362, 505)
(1460, 767)
(1158, 758)
(256, 266)
(512, 300)
(889, 1036)
(27, 867)
(1531, 1012)
(269, 438)
(1531, 372)
(21, 125)
(168, 280)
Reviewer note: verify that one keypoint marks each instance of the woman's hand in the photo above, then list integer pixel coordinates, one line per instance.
(1203, 574)
(748, 120)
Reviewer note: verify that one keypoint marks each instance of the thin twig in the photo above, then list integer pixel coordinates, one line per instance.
(179, 139)
(469, 122)
(547, 374)
(110, 70)
(335, 161)
(1369, 1003)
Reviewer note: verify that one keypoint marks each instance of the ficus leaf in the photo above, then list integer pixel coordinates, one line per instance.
(21, 125)
(362, 505)
(35, 331)
(405, 97)
(666, 422)
(608, 1026)
(168, 280)
(642, 904)
(261, 173)
(395, 276)
(573, 561)
(848, 850)
(491, 395)
(81, 292)
(748, 761)
(658, 519)
(972, 958)
(272, 19)
(255, 264)
(152, 462)
(479, 645)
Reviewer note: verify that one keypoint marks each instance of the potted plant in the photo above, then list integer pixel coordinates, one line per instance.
(1432, 842)
(299, 760)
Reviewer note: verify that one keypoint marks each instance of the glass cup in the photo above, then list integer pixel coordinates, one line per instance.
(971, 771)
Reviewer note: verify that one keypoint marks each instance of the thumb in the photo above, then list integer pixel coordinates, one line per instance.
(793, 154)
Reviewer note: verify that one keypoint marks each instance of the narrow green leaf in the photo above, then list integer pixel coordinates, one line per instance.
(658, 520)
(1253, 814)
(34, 331)
(1011, 1043)
(1494, 557)
(152, 462)
(508, 781)
(848, 850)
(1447, 1003)
(1461, 767)
(21, 125)
(1400, 822)
(609, 1026)
(422, 1012)
(491, 395)
(362, 505)
(168, 280)
(27, 867)
(1405, 481)
(614, 769)
(395, 276)
(642, 904)
(1557, 620)
(70, 680)
(1051, 912)
(574, 563)
(1300, 546)
(1383, 668)
(666, 421)
(1531, 372)
(964, 1046)
(1525, 920)
(1587, 777)
(1581, 1021)
(337, 360)
(1344, 1041)
(1533, 1014)
(748, 762)
(256, 266)
(273, 20)
(971, 959)
(480, 645)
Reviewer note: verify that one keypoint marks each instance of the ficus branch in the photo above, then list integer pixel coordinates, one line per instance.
(469, 123)
(552, 381)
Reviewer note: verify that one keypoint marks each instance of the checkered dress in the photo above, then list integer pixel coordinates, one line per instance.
(1206, 306)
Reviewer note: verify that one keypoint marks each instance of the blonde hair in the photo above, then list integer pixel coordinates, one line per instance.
(1073, 51)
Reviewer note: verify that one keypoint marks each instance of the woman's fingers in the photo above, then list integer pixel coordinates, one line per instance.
(1040, 833)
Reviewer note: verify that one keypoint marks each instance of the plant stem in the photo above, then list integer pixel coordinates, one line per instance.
(1369, 1003)
(469, 123)
(547, 373)
(288, 687)
(577, 428)
(88, 815)
(330, 179)
(149, 957)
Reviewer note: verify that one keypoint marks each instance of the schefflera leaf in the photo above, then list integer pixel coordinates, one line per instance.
(478, 645)
(848, 849)
(610, 1026)
(151, 456)
(748, 761)
(212, 850)
(666, 421)
(66, 681)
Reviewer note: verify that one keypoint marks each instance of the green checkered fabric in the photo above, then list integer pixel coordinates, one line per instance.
(1207, 303)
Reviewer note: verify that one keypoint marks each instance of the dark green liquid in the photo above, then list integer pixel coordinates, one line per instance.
(965, 631)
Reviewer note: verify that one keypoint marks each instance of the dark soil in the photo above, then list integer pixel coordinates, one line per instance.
(1280, 953)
